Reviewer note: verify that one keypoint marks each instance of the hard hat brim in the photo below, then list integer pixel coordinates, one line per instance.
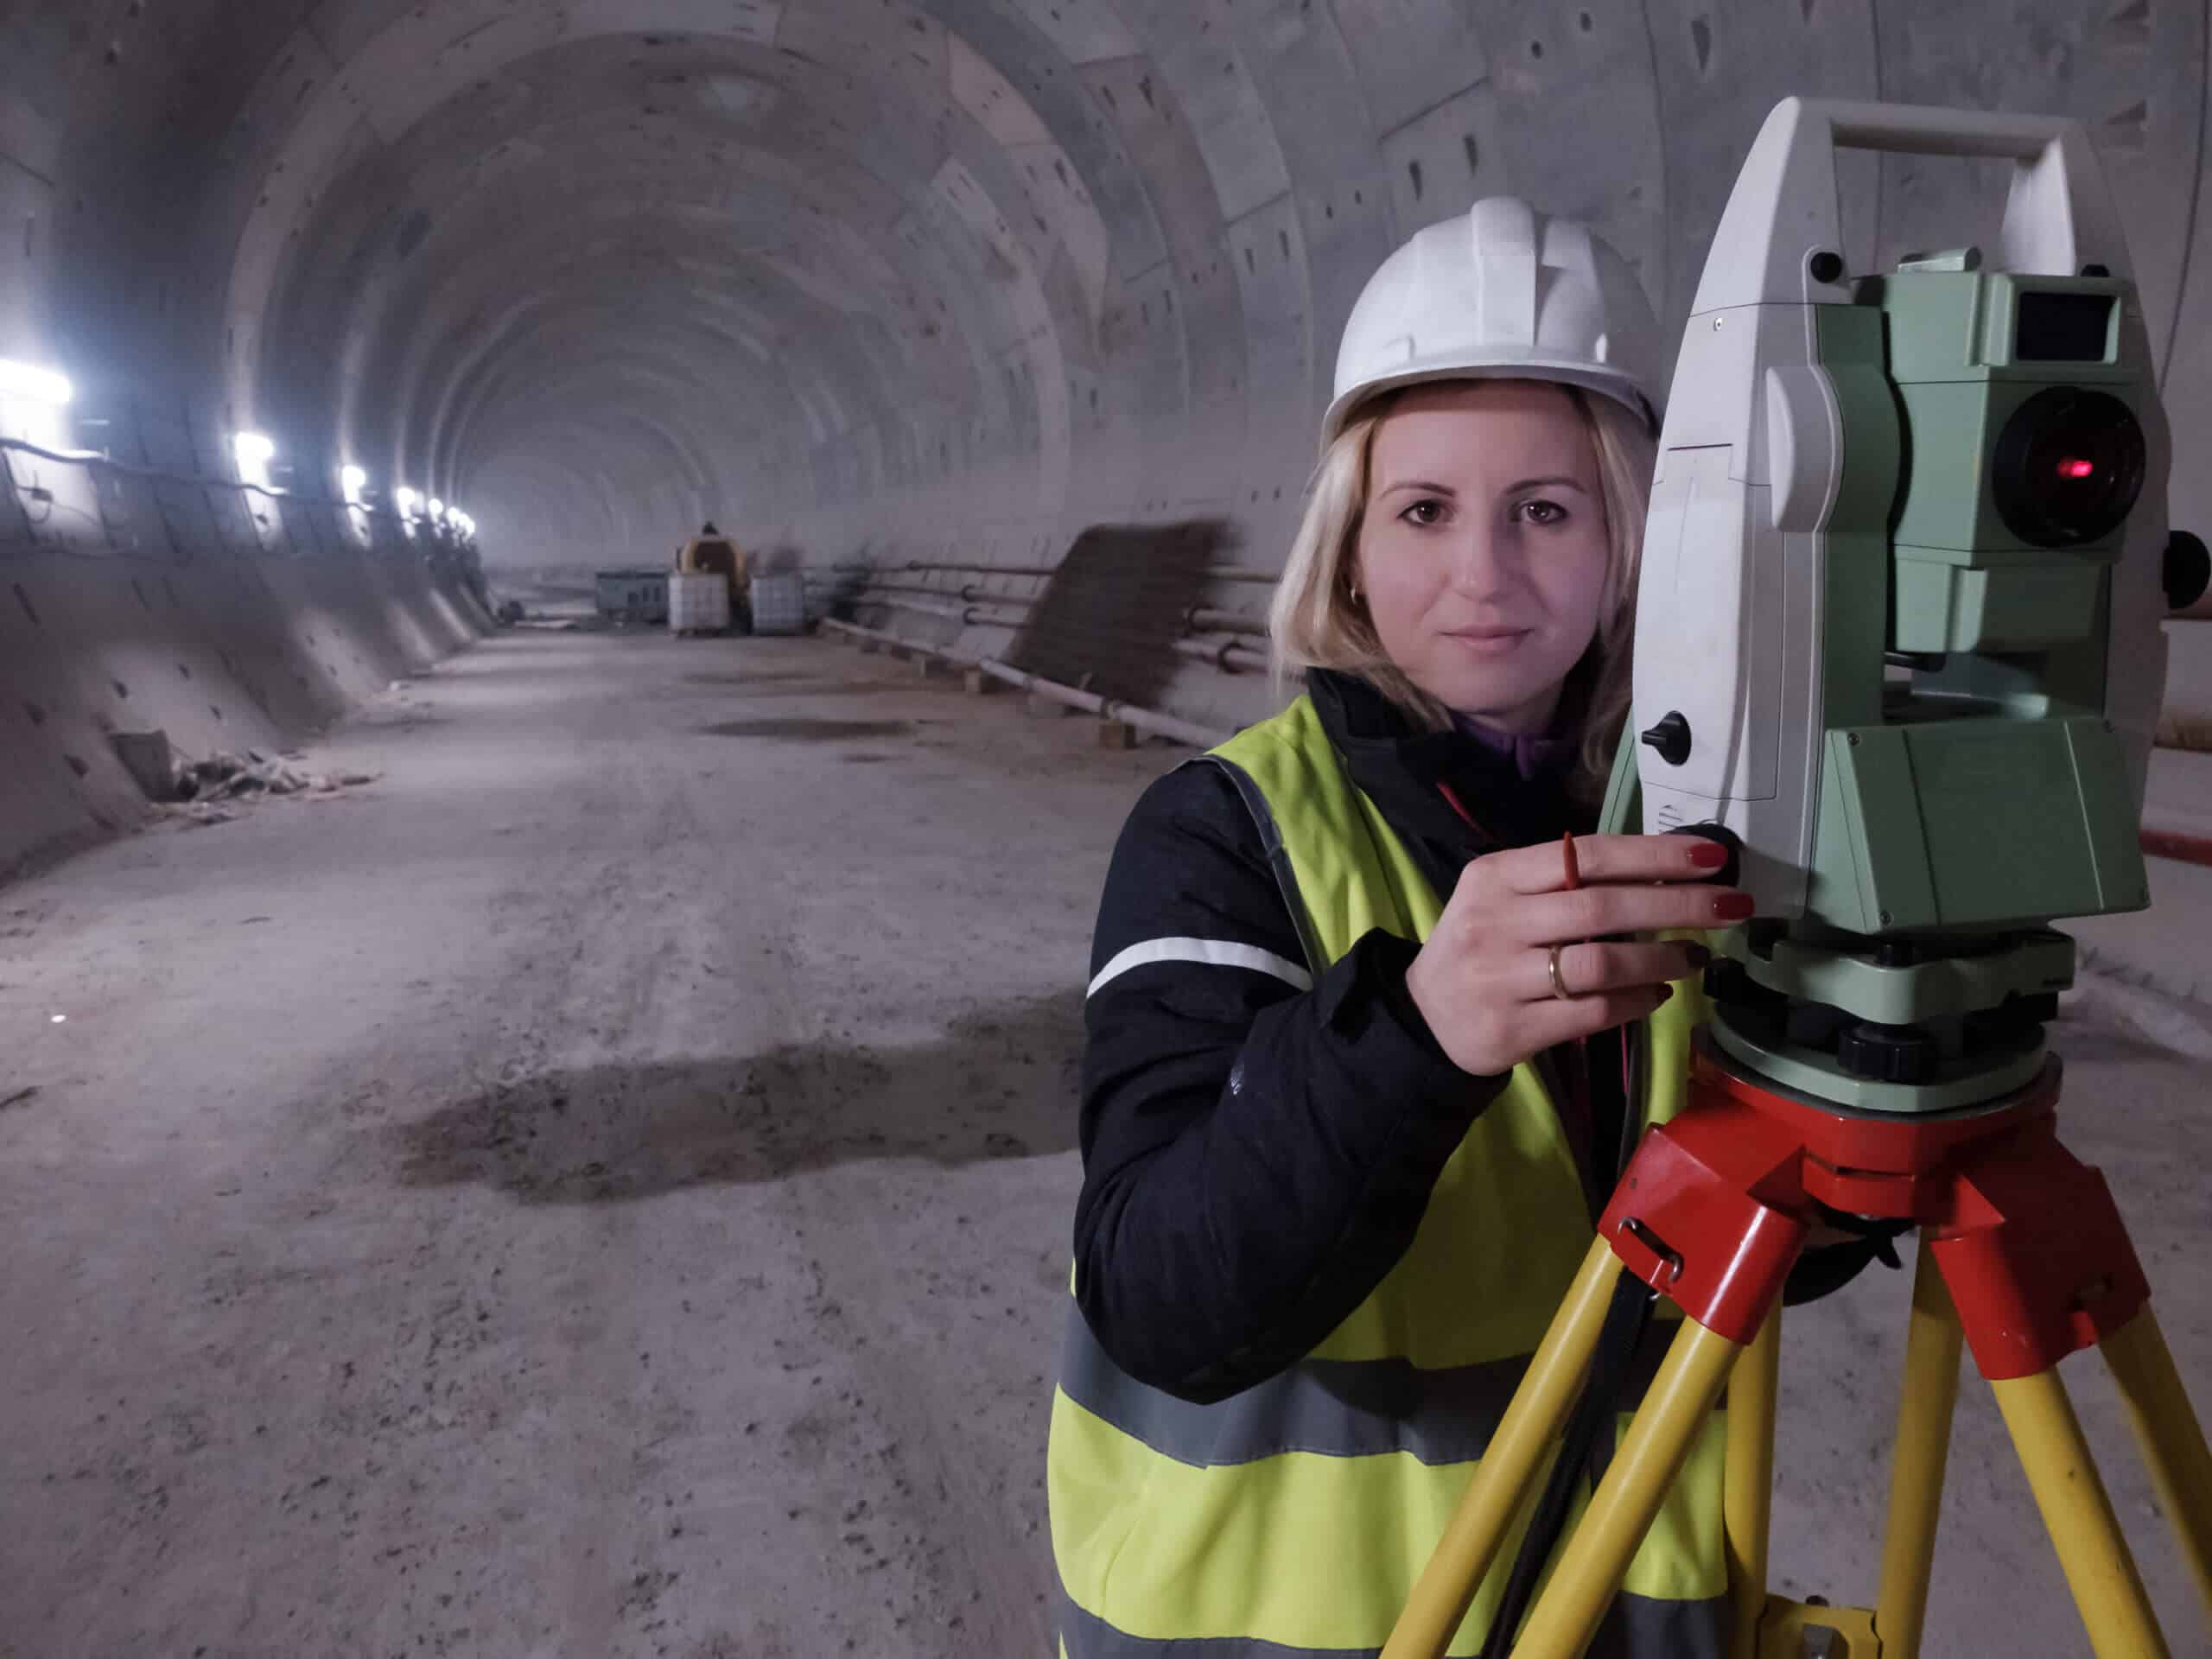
(1620, 388)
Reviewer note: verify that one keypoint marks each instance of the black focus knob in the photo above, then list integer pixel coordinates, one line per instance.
(1888, 1053)
(2188, 570)
(1731, 874)
(1671, 737)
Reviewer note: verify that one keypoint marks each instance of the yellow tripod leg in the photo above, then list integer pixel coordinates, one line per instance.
(1596, 1559)
(2171, 1438)
(1933, 1343)
(2107, 1588)
(1546, 1394)
(1747, 1500)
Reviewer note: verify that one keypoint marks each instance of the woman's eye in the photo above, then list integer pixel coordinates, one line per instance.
(1543, 512)
(1424, 513)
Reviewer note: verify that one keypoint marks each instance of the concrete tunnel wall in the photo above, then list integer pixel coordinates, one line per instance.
(956, 279)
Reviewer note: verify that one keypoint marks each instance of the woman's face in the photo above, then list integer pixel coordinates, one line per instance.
(1481, 557)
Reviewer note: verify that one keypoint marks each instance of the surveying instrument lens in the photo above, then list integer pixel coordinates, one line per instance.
(2069, 467)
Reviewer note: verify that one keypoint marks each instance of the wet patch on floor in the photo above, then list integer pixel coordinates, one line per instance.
(403, 718)
(610, 1133)
(752, 677)
(826, 687)
(811, 731)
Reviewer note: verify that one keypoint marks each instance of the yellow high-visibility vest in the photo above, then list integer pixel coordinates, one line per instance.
(1295, 1516)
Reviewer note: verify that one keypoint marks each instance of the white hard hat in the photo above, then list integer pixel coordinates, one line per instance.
(1506, 291)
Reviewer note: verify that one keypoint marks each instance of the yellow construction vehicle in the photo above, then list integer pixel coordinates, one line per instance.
(711, 552)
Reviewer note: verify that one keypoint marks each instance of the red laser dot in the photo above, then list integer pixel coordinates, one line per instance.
(2077, 468)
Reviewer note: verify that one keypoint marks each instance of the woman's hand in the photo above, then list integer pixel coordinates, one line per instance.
(1484, 980)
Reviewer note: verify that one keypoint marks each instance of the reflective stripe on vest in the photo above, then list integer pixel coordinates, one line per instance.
(1292, 1519)
(1637, 1626)
(1335, 1407)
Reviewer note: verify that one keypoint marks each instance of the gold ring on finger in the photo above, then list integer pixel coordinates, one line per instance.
(1559, 980)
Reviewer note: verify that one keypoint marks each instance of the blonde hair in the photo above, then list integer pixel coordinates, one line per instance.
(1314, 621)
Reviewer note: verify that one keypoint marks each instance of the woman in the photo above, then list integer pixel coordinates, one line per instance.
(1353, 1084)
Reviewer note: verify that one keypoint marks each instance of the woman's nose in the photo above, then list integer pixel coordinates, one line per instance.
(1479, 560)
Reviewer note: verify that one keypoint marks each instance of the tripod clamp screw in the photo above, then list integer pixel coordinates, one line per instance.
(1668, 1258)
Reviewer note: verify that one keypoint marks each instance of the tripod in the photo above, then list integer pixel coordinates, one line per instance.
(2022, 1256)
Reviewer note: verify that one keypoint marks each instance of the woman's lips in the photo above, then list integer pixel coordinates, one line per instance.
(1488, 641)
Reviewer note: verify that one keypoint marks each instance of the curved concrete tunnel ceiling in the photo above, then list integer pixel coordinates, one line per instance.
(963, 276)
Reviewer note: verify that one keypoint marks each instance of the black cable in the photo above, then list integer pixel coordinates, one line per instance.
(1632, 1127)
(91, 458)
(1627, 1319)
(1584, 1444)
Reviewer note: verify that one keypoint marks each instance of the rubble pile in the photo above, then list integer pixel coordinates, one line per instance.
(209, 790)
(198, 789)
(224, 777)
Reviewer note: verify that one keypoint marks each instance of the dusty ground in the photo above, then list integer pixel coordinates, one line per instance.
(602, 1191)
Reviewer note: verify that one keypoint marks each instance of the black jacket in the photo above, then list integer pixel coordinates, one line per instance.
(1257, 1154)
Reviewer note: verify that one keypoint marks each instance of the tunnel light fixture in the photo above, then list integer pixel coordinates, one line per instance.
(355, 482)
(254, 450)
(29, 384)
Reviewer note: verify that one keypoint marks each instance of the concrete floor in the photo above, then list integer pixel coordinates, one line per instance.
(602, 1190)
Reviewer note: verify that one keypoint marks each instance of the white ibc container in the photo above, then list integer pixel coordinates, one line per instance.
(698, 602)
(780, 604)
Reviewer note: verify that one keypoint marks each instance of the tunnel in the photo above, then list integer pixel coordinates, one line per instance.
(539, 1136)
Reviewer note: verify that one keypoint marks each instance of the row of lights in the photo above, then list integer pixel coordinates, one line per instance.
(253, 451)
(406, 500)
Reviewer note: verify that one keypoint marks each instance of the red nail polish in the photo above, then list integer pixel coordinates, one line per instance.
(1734, 907)
(1707, 854)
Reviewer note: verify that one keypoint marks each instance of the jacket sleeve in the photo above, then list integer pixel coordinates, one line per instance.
(1258, 1147)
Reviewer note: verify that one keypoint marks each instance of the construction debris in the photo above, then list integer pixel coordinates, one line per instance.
(222, 777)
(191, 789)
(167, 776)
